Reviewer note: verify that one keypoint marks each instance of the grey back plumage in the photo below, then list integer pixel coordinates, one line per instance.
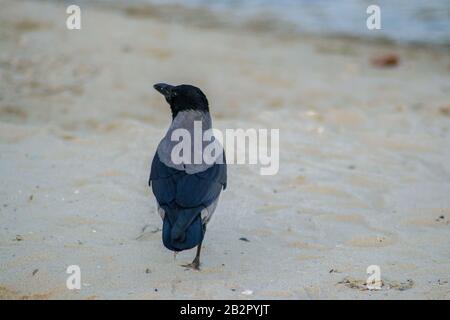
(185, 120)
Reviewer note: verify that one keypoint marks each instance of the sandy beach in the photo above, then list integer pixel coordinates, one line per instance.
(364, 174)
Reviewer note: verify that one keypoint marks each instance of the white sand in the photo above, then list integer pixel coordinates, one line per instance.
(364, 175)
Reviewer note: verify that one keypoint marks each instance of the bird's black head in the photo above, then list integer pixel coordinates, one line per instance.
(183, 97)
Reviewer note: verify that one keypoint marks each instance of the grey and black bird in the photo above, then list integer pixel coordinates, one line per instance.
(187, 193)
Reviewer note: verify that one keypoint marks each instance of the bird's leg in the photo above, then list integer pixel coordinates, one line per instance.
(195, 264)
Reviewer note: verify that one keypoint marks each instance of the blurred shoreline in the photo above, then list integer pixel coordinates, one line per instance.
(205, 15)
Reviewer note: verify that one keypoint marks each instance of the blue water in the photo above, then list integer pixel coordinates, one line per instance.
(401, 20)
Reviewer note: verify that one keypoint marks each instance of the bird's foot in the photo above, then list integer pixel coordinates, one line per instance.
(194, 265)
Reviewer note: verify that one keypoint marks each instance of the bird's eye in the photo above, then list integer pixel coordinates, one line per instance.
(174, 93)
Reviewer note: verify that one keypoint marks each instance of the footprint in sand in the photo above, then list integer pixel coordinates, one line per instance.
(268, 208)
(371, 241)
(305, 245)
(434, 218)
(346, 218)
(261, 232)
(13, 113)
(427, 222)
(27, 25)
(14, 134)
(157, 53)
(110, 173)
(385, 284)
(7, 294)
(148, 232)
(306, 257)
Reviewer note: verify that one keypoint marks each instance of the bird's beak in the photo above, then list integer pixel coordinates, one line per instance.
(164, 88)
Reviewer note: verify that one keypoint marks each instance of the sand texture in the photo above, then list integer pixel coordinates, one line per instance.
(364, 173)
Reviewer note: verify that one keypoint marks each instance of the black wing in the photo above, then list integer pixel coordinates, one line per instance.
(183, 196)
(187, 190)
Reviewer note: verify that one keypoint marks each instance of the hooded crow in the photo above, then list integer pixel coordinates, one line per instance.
(186, 193)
